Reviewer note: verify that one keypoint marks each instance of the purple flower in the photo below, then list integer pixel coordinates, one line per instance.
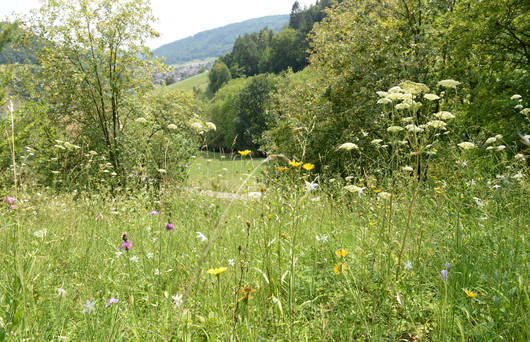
(444, 275)
(184, 165)
(9, 200)
(170, 226)
(153, 213)
(111, 301)
(448, 266)
(126, 245)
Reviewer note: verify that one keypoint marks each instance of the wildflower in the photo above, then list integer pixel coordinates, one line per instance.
(231, 262)
(470, 293)
(376, 141)
(466, 145)
(172, 126)
(394, 129)
(254, 195)
(126, 243)
(519, 156)
(308, 166)
(310, 186)
(516, 97)
(348, 146)
(384, 195)
(149, 255)
(9, 200)
(177, 300)
(88, 307)
(431, 97)
(395, 90)
(169, 226)
(134, 258)
(197, 125)
(340, 267)
(444, 275)
(437, 124)
(402, 106)
(283, 168)
(448, 83)
(321, 238)
(443, 115)
(244, 153)
(247, 290)
(413, 128)
(448, 266)
(40, 233)
(157, 271)
(407, 168)
(413, 87)
(490, 141)
(382, 93)
(500, 148)
(141, 120)
(211, 125)
(153, 213)
(118, 253)
(354, 188)
(111, 301)
(408, 266)
(478, 202)
(341, 252)
(61, 291)
(384, 100)
(201, 236)
(294, 163)
(216, 271)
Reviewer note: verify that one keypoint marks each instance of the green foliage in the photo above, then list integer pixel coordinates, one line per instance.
(218, 76)
(222, 111)
(252, 116)
(216, 42)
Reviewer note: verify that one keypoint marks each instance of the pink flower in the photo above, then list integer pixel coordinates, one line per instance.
(9, 200)
(126, 245)
(170, 226)
(13, 207)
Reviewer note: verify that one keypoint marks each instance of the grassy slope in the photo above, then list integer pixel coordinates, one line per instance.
(199, 81)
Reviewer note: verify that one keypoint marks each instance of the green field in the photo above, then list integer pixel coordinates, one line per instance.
(224, 172)
(198, 81)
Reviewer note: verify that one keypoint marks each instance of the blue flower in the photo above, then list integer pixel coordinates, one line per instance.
(444, 275)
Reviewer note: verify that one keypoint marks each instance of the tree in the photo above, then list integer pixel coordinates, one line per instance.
(219, 75)
(95, 67)
(252, 117)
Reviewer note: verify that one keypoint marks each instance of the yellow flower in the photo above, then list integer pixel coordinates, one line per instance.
(244, 153)
(308, 166)
(341, 252)
(340, 267)
(246, 294)
(470, 293)
(283, 168)
(294, 163)
(217, 271)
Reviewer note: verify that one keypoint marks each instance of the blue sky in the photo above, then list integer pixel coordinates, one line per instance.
(179, 19)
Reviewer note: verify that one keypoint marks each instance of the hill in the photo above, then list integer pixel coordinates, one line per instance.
(216, 42)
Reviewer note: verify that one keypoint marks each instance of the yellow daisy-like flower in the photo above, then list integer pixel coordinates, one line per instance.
(283, 168)
(217, 271)
(294, 163)
(246, 294)
(470, 293)
(244, 153)
(341, 252)
(340, 267)
(308, 166)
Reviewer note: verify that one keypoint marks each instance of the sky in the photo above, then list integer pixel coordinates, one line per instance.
(183, 18)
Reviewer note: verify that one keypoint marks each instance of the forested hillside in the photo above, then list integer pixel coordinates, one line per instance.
(216, 42)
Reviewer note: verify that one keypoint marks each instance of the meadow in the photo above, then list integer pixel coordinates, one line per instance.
(306, 260)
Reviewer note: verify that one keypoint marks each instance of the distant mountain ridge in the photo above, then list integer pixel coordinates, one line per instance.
(216, 42)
